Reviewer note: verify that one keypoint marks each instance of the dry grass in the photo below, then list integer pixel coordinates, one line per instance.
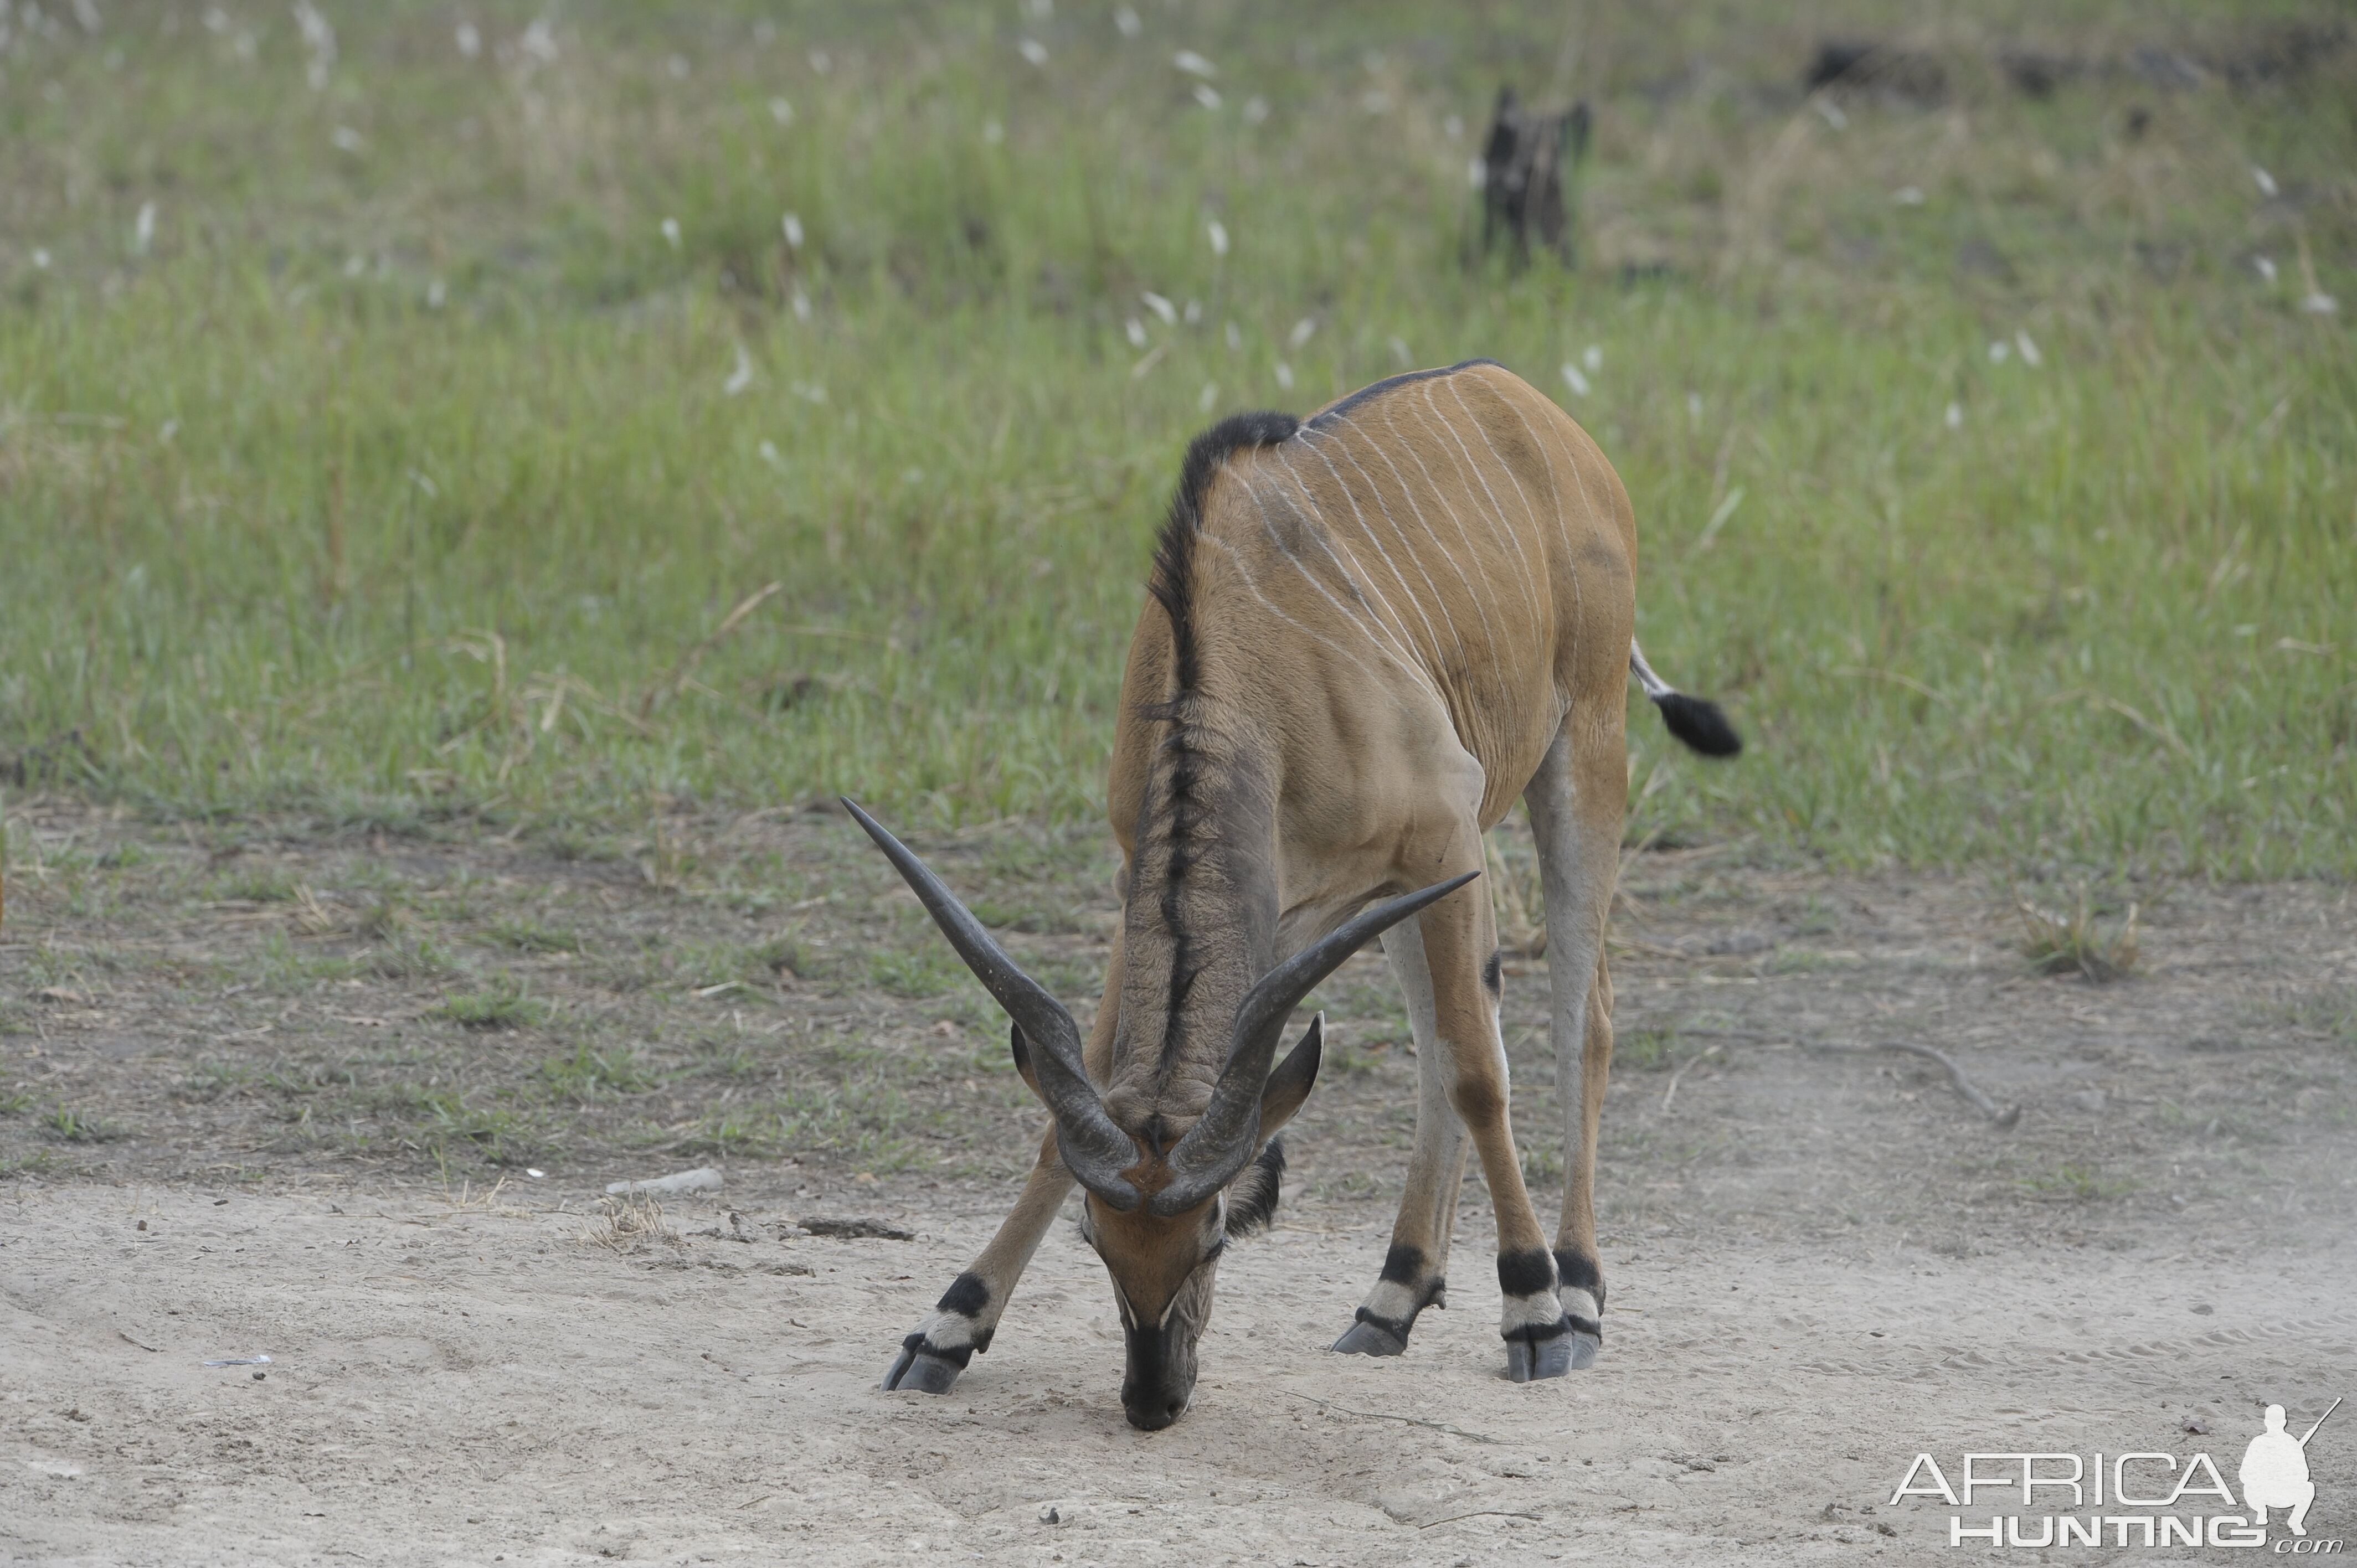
(465, 1199)
(631, 1222)
(2076, 941)
(1520, 902)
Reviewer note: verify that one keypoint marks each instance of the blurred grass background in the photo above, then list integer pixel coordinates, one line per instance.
(396, 400)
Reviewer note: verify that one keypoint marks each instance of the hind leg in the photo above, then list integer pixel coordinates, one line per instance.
(1414, 1273)
(1577, 800)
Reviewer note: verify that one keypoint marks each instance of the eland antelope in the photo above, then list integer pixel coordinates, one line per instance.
(1370, 631)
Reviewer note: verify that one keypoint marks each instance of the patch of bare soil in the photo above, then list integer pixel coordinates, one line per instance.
(298, 1057)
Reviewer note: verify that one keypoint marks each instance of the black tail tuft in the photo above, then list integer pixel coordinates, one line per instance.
(1698, 721)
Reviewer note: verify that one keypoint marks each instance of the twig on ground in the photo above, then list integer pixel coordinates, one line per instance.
(1482, 1513)
(2003, 1118)
(1671, 1093)
(1408, 1420)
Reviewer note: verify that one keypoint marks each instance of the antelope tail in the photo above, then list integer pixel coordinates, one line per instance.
(1696, 721)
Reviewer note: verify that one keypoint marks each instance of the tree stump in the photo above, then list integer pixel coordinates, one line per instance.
(1525, 170)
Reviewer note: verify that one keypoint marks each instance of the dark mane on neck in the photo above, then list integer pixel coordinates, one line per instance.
(1183, 781)
(1172, 584)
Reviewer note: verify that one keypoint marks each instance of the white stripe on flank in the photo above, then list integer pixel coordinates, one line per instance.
(1479, 597)
(1360, 584)
(1312, 526)
(1407, 548)
(1368, 533)
(1496, 511)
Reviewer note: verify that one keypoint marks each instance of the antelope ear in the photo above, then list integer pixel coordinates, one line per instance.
(1290, 1084)
(1023, 1059)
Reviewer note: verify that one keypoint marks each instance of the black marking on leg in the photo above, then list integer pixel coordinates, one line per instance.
(957, 1357)
(923, 1367)
(1376, 1335)
(1493, 975)
(1373, 1335)
(1577, 1272)
(967, 1296)
(1403, 1265)
(1527, 1272)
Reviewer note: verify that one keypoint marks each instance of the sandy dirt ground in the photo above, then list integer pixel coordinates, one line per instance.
(245, 1119)
(464, 1386)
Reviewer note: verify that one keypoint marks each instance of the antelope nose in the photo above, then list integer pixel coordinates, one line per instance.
(1153, 1413)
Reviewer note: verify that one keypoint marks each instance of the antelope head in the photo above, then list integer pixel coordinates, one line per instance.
(1161, 1205)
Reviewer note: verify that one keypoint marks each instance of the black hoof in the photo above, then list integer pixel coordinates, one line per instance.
(918, 1370)
(1367, 1338)
(1533, 1355)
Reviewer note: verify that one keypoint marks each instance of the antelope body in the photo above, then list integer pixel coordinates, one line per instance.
(1371, 630)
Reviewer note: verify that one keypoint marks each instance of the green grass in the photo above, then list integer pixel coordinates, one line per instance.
(396, 475)
(82, 1127)
(503, 1004)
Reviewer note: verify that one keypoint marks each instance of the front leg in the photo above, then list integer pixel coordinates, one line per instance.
(1416, 1268)
(967, 1314)
(1460, 944)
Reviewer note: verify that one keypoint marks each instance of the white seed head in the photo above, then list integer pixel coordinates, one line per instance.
(1574, 380)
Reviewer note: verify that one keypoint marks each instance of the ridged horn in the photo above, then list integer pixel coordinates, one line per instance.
(1092, 1147)
(1217, 1147)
